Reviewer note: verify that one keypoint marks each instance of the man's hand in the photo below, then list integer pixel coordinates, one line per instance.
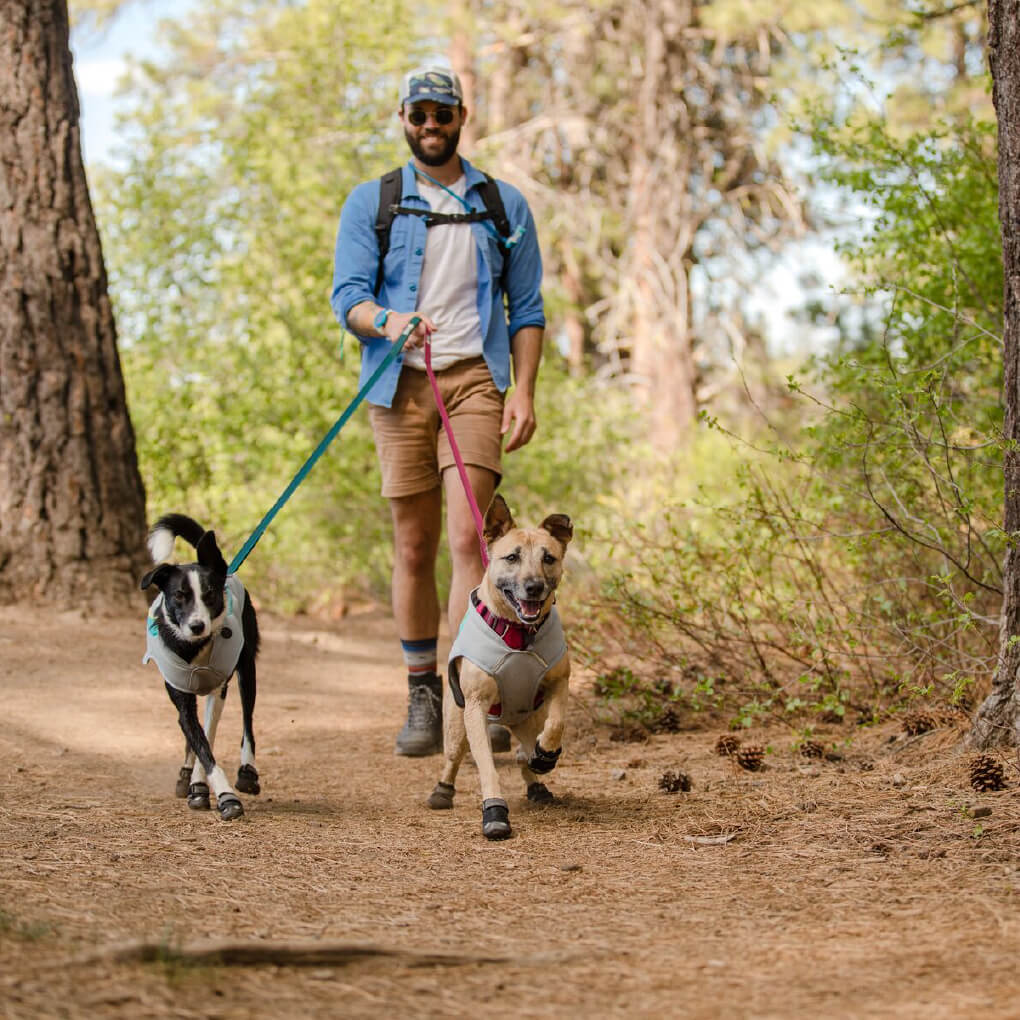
(361, 320)
(397, 322)
(519, 410)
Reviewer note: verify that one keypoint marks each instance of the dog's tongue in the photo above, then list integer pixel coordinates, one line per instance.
(531, 609)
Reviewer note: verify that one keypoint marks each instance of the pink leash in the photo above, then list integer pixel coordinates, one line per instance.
(462, 471)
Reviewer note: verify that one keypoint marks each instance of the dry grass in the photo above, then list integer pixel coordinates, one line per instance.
(869, 886)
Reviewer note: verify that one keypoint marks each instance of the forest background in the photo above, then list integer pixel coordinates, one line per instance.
(772, 525)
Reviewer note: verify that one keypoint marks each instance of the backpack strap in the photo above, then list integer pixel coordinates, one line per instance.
(390, 187)
(433, 219)
(493, 201)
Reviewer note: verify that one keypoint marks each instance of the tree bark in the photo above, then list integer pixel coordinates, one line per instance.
(462, 58)
(662, 357)
(573, 325)
(72, 505)
(998, 719)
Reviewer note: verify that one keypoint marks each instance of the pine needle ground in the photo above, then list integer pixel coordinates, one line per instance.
(878, 884)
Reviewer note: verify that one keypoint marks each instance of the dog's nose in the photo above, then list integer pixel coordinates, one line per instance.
(196, 628)
(534, 589)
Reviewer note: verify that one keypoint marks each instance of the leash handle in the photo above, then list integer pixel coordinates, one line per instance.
(461, 470)
(395, 349)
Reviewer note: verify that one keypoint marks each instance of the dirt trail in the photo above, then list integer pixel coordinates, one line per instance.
(859, 888)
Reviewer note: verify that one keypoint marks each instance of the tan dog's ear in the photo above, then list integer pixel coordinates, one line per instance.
(497, 520)
(559, 526)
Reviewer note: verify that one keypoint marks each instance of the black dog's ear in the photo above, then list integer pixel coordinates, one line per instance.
(209, 554)
(158, 576)
(559, 526)
(497, 520)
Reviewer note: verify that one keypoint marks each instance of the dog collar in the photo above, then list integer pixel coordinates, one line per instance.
(515, 635)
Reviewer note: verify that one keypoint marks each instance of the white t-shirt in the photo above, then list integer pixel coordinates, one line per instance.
(448, 289)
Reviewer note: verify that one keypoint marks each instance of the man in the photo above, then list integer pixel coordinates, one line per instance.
(454, 275)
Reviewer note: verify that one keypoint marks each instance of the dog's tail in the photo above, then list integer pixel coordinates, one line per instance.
(169, 527)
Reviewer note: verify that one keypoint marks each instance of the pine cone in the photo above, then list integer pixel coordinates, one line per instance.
(751, 757)
(675, 782)
(668, 721)
(812, 749)
(919, 722)
(727, 745)
(986, 773)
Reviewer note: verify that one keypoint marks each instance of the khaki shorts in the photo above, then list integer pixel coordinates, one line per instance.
(410, 440)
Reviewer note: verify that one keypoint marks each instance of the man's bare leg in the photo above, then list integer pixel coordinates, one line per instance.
(466, 555)
(465, 551)
(417, 522)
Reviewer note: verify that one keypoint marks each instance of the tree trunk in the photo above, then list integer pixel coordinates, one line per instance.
(998, 719)
(662, 359)
(462, 59)
(72, 505)
(573, 324)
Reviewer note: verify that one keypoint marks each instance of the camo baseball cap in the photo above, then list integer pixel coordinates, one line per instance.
(435, 84)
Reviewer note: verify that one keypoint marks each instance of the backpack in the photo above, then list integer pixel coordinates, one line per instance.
(390, 189)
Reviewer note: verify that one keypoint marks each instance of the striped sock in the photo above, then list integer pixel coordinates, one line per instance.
(420, 657)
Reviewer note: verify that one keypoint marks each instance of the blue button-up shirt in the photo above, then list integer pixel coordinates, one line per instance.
(357, 261)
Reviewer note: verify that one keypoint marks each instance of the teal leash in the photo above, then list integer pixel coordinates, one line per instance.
(396, 348)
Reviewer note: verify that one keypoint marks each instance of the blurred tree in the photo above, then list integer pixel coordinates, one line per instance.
(244, 140)
(649, 139)
(998, 719)
(72, 506)
(638, 133)
(221, 214)
(935, 53)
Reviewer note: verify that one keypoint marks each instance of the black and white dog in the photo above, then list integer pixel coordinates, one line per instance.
(201, 629)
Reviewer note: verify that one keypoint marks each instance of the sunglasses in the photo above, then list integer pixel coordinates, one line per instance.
(444, 115)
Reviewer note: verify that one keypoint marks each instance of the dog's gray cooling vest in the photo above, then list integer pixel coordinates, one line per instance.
(518, 674)
(226, 650)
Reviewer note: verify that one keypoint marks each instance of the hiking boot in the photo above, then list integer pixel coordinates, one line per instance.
(499, 738)
(423, 732)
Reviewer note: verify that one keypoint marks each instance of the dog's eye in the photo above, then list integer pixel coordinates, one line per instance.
(512, 558)
(547, 557)
(179, 597)
(208, 598)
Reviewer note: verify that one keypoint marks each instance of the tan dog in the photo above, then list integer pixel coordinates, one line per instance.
(509, 664)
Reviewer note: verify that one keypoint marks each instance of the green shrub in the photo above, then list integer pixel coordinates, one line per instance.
(857, 567)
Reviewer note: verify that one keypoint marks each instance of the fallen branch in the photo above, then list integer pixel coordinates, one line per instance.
(280, 954)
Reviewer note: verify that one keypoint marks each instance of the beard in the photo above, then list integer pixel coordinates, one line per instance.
(438, 158)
